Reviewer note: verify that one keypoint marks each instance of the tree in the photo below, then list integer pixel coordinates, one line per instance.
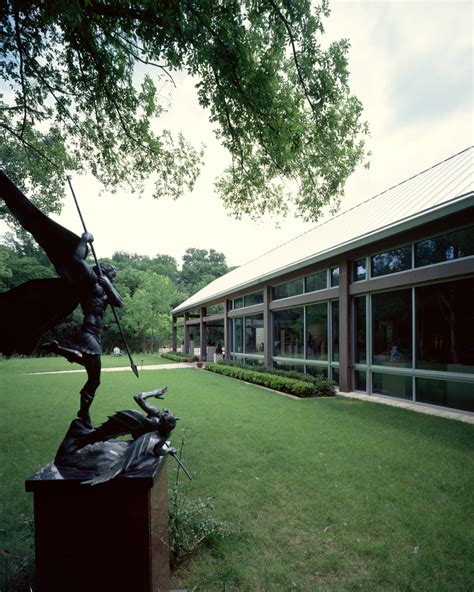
(147, 314)
(280, 103)
(200, 267)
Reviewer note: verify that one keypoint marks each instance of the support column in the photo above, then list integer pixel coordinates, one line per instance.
(203, 333)
(227, 333)
(186, 334)
(174, 343)
(267, 328)
(345, 329)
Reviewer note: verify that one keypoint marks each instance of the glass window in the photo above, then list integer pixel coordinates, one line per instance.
(238, 302)
(253, 361)
(288, 333)
(317, 331)
(360, 270)
(392, 385)
(290, 367)
(445, 326)
(391, 328)
(317, 370)
(334, 277)
(288, 289)
(335, 375)
(446, 247)
(391, 261)
(254, 334)
(360, 380)
(254, 298)
(454, 394)
(360, 330)
(335, 330)
(316, 281)
(239, 335)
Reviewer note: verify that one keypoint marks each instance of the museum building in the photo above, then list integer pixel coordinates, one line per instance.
(378, 298)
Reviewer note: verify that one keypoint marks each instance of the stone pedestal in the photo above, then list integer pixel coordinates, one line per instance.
(111, 537)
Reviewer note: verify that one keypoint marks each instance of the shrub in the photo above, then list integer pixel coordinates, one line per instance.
(177, 357)
(323, 387)
(299, 388)
(191, 523)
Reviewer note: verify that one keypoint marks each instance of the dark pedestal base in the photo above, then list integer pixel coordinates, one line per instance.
(107, 538)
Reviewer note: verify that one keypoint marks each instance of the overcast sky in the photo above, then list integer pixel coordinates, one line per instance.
(411, 65)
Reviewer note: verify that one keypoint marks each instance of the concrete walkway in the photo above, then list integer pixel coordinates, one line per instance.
(420, 408)
(464, 416)
(179, 365)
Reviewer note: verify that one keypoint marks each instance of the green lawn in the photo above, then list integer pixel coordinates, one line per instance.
(325, 494)
(54, 363)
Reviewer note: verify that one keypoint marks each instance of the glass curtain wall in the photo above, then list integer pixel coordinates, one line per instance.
(417, 343)
(307, 340)
(247, 338)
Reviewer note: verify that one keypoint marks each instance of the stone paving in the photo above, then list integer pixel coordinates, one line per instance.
(428, 409)
(464, 416)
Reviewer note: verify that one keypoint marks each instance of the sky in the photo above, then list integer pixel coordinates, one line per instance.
(411, 65)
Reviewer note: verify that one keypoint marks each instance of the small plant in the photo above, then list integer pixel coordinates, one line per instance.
(191, 522)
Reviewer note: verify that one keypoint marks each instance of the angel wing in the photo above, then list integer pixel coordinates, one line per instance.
(58, 242)
(32, 308)
(139, 449)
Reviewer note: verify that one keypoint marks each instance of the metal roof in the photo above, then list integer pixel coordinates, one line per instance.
(444, 188)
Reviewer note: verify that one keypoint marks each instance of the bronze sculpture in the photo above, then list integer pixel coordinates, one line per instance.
(85, 348)
(29, 310)
(91, 450)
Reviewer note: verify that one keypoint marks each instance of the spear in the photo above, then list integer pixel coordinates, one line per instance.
(132, 364)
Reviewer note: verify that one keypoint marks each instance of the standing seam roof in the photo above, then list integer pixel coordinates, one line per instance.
(433, 189)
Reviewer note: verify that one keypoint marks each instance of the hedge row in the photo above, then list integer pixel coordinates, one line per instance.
(299, 388)
(323, 386)
(177, 357)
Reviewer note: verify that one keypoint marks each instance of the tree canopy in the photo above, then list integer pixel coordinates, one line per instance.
(81, 82)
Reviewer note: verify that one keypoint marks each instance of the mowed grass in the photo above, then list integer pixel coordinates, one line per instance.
(325, 494)
(18, 365)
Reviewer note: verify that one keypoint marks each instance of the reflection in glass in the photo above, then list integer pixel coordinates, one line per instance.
(335, 375)
(335, 330)
(360, 270)
(392, 385)
(288, 333)
(445, 326)
(446, 247)
(334, 277)
(391, 328)
(360, 380)
(360, 330)
(254, 298)
(316, 281)
(254, 334)
(238, 302)
(317, 370)
(289, 367)
(391, 261)
(239, 335)
(317, 331)
(253, 361)
(454, 394)
(288, 289)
